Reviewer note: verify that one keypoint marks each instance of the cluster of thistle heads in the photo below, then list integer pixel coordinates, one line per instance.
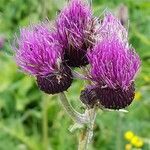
(50, 50)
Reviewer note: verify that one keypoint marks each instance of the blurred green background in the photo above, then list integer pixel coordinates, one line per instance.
(21, 102)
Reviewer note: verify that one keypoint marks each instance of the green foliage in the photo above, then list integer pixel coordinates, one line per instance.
(21, 101)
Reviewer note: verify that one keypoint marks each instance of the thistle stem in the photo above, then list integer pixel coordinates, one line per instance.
(119, 130)
(90, 2)
(76, 116)
(45, 122)
(87, 134)
(44, 8)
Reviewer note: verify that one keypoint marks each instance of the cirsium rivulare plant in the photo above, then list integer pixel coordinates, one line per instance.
(49, 52)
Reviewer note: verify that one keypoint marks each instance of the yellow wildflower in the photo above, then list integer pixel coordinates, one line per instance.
(140, 143)
(128, 147)
(138, 95)
(129, 135)
(137, 142)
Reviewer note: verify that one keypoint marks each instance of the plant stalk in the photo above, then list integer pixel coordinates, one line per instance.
(44, 9)
(119, 130)
(87, 134)
(45, 122)
(90, 2)
(76, 116)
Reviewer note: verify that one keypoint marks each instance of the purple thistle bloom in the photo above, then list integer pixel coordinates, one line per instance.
(114, 66)
(76, 29)
(37, 51)
(39, 54)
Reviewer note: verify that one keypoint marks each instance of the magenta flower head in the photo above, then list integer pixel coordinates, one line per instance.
(76, 30)
(114, 66)
(38, 53)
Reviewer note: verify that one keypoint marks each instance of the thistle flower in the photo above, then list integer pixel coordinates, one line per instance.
(38, 53)
(114, 66)
(76, 31)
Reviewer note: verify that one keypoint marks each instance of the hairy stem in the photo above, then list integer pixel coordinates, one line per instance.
(76, 116)
(44, 9)
(45, 122)
(87, 134)
(119, 130)
(90, 2)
